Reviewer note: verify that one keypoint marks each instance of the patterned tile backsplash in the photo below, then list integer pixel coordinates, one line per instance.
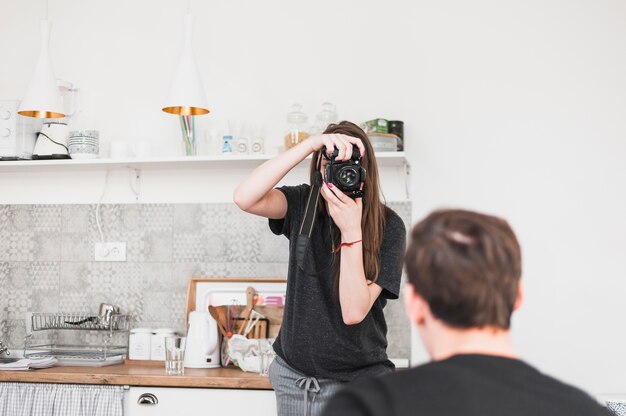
(47, 262)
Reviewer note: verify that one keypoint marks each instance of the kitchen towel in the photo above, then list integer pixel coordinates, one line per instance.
(28, 363)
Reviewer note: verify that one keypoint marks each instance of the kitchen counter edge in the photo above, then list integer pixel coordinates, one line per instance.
(141, 375)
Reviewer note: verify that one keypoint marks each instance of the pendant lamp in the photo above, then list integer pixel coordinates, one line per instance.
(187, 94)
(43, 99)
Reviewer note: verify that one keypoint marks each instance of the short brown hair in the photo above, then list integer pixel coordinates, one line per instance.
(467, 266)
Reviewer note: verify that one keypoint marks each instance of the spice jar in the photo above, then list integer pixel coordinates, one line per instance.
(297, 131)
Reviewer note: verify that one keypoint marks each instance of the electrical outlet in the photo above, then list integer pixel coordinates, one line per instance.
(111, 251)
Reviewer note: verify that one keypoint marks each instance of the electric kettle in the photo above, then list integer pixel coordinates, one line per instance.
(202, 341)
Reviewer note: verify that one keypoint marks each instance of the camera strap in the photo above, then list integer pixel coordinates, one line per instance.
(308, 221)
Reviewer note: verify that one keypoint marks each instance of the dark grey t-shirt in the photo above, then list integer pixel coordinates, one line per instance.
(468, 385)
(313, 338)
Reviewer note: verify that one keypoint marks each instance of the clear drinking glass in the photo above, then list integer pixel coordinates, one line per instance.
(175, 355)
(266, 355)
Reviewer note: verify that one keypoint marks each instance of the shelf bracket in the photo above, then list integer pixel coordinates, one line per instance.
(407, 180)
(135, 182)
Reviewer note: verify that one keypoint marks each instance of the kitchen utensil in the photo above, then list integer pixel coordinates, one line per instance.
(266, 355)
(202, 341)
(106, 312)
(215, 315)
(252, 320)
(82, 321)
(175, 355)
(250, 292)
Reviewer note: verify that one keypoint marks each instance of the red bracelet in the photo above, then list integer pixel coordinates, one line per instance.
(347, 245)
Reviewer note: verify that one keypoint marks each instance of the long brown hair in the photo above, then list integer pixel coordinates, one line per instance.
(374, 211)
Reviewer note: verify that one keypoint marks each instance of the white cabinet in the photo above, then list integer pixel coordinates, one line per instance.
(168, 401)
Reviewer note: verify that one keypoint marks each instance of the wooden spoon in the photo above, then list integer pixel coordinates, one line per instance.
(248, 310)
(215, 314)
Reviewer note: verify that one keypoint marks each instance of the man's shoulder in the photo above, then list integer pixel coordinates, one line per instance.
(477, 384)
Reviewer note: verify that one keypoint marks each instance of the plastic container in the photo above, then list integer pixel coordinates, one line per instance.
(297, 131)
(157, 343)
(139, 342)
(384, 142)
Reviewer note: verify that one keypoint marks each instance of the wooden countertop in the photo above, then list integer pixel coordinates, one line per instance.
(141, 375)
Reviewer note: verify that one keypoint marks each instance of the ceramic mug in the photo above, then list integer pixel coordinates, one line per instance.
(142, 149)
(118, 150)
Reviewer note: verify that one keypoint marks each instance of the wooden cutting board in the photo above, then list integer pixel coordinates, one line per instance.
(275, 316)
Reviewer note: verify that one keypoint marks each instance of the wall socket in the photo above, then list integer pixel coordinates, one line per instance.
(111, 251)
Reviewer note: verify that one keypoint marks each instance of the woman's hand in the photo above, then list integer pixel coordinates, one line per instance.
(345, 212)
(341, 142)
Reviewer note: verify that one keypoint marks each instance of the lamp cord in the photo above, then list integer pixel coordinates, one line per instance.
(104, 188)
(49, 138)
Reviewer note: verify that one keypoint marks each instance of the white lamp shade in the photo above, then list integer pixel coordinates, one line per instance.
(187, 93)
(42, 98)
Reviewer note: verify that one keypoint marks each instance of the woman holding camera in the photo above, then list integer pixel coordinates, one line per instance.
(334, 329)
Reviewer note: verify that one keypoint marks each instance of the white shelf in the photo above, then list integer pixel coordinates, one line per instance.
(385, 159)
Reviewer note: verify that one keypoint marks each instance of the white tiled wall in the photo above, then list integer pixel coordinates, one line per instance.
(47, 261)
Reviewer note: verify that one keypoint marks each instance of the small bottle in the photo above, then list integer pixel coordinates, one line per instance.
(297, 131)
(227, 148)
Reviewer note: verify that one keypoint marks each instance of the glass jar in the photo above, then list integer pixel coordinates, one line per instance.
(297, 131)
(326, 116)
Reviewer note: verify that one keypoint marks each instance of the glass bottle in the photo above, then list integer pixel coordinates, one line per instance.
(297, 132)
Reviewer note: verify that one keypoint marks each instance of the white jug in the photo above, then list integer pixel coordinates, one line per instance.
(202, 341)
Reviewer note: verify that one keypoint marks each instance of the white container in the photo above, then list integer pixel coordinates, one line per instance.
(157, 343)
(139, 343)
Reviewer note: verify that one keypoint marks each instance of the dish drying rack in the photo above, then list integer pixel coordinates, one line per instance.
(91, 355)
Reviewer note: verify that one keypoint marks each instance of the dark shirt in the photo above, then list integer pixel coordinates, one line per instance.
(468, 385)
(313, 338)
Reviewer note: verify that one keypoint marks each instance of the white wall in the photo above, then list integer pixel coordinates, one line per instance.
(515, 108)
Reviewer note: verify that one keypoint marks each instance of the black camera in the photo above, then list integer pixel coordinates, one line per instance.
(348, 176)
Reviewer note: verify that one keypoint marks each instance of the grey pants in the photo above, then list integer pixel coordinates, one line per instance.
(298, 394)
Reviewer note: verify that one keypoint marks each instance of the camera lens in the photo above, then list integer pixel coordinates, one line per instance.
(347, 176)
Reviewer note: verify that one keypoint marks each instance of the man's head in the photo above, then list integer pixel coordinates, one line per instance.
(464, 271)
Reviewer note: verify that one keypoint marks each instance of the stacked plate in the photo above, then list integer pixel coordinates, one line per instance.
(84, 144)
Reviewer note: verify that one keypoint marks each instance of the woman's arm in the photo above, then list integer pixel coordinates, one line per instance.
(356, 296)
(256, 193)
